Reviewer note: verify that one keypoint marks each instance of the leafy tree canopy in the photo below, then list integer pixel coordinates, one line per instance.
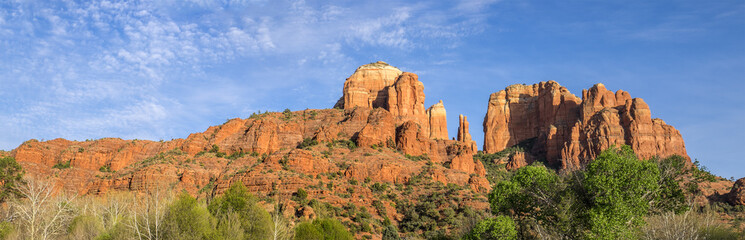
(11, 176)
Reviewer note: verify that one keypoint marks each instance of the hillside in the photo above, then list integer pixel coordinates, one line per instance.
(378, 150)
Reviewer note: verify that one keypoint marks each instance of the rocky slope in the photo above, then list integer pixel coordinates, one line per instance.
(567, 131)
(380, 133)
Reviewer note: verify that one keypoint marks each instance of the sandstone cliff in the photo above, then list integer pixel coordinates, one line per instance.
(383, 110)
(567, 131)
(379, 85)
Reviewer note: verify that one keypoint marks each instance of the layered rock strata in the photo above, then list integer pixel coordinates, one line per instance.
(266, 141)
(567, 131)
(379, 85)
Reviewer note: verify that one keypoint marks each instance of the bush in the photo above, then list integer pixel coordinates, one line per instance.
(345, 143)
(322, 228)
(378, 187)
(307, 231)
(390, 232)
(187, 219)
(105, 168)
(255, 222)
(62, 165)
(307, 143)
(501, 227)
(300, 196)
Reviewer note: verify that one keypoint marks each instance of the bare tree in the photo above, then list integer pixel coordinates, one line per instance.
(147, 212)
(113, 210)
(41, 213)
(281, 227)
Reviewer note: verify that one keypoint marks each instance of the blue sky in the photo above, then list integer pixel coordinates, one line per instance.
(164, 69)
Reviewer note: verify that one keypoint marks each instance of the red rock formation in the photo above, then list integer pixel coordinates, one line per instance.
(568, 131)
(406, 100)
(438, 123)
(379, 85)
(737, 194)
(518, 160)
(367, 87)
(410, 140)
(380, 129)
(463, 133)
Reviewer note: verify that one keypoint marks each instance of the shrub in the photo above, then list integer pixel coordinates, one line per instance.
(322, 228)
(500, 227)
(62, 165)
(390, 232)
(307, 143)
(187, 219)
(215, 149)
(306, 231)
(255, 222)
(300, 196)
(378, 187)
(105, 168)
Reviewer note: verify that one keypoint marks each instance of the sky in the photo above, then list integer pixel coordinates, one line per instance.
(164, 69)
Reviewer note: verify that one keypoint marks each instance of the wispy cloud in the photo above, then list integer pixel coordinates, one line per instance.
(85, 69)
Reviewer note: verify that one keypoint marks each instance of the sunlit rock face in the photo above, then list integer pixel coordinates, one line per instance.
(568, 131)
(379, 85)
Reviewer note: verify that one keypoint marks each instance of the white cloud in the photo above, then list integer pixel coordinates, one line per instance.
(103, 68)
(474, 5)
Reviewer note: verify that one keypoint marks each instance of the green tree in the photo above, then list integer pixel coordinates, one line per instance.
(187, 219)
(535, 195)
(254, 220)
(390, 232)
(670, 196)
(11, 176)
(322, 229)
(500, 227)
(307, 231)
(621, 188)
